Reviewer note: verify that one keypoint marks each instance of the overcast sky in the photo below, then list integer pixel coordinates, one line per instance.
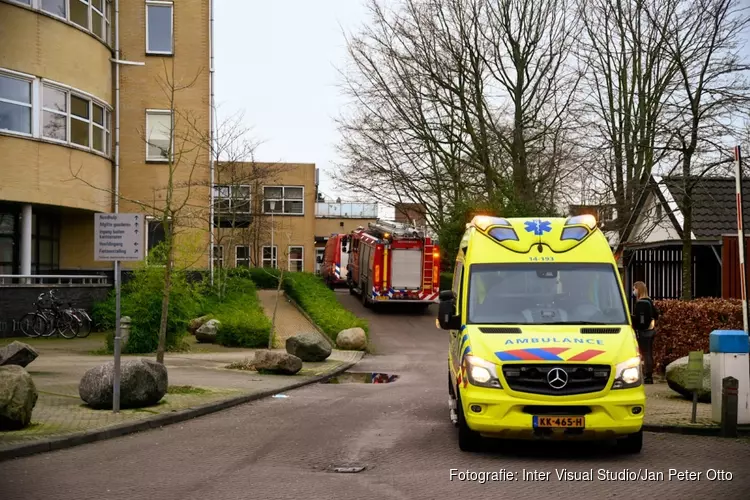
(278, 61)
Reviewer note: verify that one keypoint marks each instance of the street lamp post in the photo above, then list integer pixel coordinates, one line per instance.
(272, 206)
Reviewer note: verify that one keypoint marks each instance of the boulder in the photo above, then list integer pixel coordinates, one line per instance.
(18, 397)
(197, 323)
(677, 378)
(17, 353)
(353, 339)
(208, 331)
(277, 362)
(143, 382)
(308, 347)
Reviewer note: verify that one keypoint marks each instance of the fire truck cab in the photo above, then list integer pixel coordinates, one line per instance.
(336, 260)
(392, 262)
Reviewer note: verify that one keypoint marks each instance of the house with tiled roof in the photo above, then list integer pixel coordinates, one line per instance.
(651, 243)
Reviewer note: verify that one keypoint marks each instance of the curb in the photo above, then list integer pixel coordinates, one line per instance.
(157, 421)
(742, 431)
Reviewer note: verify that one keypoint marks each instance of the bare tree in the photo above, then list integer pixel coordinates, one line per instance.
(702, 37)
(177, 203)
(459, 102)
(628, 80)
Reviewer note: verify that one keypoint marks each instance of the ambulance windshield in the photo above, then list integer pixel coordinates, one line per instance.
(545, 293)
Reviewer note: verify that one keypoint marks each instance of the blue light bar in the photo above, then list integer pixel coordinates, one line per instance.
(503, 234)
(586, 220)
(574, 233)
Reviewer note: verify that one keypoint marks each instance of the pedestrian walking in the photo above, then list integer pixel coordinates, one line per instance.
(645, 315)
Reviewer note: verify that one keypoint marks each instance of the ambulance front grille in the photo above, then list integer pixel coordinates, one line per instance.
(535, 378)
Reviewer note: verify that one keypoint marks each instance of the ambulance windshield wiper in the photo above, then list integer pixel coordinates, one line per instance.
(574, 323)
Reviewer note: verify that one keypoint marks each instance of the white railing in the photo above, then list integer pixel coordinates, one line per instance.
(351, 210)
(52, 279)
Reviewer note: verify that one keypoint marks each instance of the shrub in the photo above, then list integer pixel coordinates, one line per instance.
(446, 281)
(243, 322)
(685, 326)
(263, 278)
(141, 300)
(321, 304)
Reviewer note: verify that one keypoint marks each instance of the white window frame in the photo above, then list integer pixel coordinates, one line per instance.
(274, 256)
(161, 3)
(237, 259)
(161, 159)
(69, 92)
(220, 259)
(289, 259)
(283, 199)
(231, 189)
(30, 80)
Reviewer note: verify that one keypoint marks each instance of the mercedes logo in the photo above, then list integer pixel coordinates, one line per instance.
(557, 378)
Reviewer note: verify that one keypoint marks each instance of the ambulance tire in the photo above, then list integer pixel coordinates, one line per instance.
(468, 440)
(632, 444)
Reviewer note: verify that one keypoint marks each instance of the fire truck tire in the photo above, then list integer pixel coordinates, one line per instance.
(365, 302)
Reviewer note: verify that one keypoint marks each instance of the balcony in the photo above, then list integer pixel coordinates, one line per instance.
(335, 210)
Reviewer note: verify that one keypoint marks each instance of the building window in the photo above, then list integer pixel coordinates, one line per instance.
(73, 118)
(319, 256)
(296, 258)
(242, 256)
(286, 200)
(15, 104)
(232, 199)
(159, 27)
(158, 136)
(55, 7)
(7, 242)
(219, 256)
(269, 256)
(156, 236)
(90, 15)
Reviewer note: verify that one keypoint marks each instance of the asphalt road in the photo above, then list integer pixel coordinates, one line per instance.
(287, 448)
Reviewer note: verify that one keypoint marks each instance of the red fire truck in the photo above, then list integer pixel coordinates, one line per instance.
(391, 262)
(335, 260)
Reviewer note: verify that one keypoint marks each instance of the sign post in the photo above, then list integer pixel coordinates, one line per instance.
(694, 380)
(118, 237)
(741, 234)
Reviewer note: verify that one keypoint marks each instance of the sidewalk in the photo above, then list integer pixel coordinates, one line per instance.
(199, 383)
(667, 411)
(289, 320)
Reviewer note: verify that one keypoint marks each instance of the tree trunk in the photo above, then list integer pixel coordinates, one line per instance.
(275, 307)
(165, 303)
(687, 231)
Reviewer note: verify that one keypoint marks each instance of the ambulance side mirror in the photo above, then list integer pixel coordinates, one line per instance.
(447, 317)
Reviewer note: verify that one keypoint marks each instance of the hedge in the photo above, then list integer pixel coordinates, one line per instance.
(685, 326)
(243, 322)
(446, 281)
(321, 304)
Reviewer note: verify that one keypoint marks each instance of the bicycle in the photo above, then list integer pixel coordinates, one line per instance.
(34, 324)
(59, 321)
(83, 318)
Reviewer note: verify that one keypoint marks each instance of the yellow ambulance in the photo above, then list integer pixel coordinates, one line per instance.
(541, 343)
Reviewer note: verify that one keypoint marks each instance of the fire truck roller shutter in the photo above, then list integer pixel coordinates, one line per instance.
(406, 268)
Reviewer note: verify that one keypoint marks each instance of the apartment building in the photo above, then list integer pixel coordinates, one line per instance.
(271, 215)
(60, 85)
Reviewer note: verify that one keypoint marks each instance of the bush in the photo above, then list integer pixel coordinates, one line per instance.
(685, 326)
(446, 281)
(243, 322)
(141, 300)
(263, 278)
(321, 304)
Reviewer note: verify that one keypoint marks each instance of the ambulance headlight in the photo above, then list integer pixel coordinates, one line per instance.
(482, 373)
(628, 374)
